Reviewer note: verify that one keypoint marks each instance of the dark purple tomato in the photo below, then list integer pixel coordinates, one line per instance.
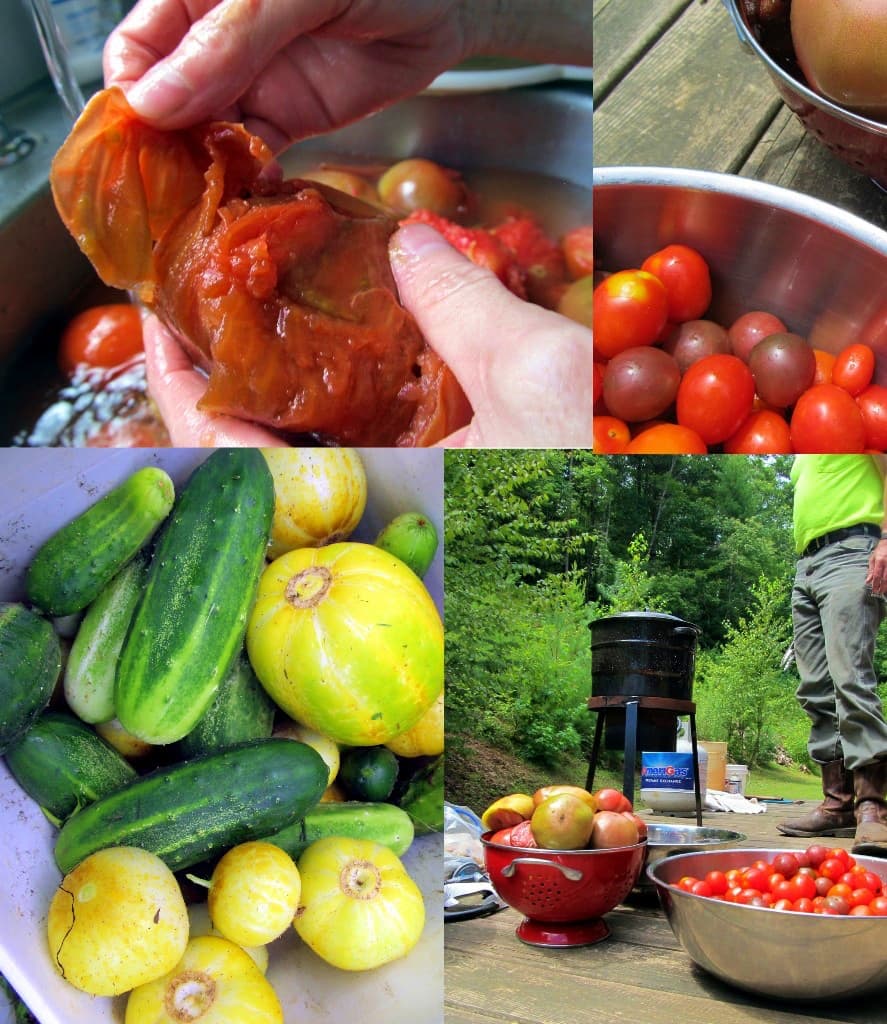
(746, 331)
(696, 339)
(640, 383)
(783, 366)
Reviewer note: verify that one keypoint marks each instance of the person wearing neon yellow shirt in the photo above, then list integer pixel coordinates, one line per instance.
(840, 534)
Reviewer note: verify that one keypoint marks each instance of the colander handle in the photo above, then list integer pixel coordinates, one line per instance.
(571, 874)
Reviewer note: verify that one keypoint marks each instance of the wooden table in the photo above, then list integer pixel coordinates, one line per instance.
(674, 87)
(639, 975)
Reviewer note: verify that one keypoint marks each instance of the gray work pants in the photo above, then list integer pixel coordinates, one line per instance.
(836, 622)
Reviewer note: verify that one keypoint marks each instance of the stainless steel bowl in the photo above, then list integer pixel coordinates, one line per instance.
(666, 840)
(776, 953)
(858, 141)
(820, 269)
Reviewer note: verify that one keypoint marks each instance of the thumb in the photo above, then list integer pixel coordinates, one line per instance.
(526, 371)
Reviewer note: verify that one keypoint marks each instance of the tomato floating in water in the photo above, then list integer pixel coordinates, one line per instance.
(106, 336)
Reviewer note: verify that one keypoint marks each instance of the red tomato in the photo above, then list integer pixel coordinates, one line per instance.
(854, 368)
(701, 888)
(610, 436)
(816, 854)
(101, 336)
(832, 867)
(717, 882)
(764, 432)
(687, 281)
(756, 878)
(873, 405)
(803, 905)
(629, 308)
(715, 397)
(860, 897)
(578, 251)
(687, 882)
(786, 864)
(597, 382)
(878, 906)
(639, 823)
(802, 887)
(783, 904)
(612, 800)
(667, 439)
(826, 419)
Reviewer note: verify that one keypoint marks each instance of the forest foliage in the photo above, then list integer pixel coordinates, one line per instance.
(540, 543)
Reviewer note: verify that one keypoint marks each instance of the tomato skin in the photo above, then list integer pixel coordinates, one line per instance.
(629, 308)
(825, 365)
(826, 419)
(687, 280)
(764, 432)
(750, 328)
(105, 335)
(667, 439)
(715, 397)
(854, 368)
(872, 404)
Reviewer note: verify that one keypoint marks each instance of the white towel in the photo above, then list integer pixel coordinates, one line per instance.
(717, 800)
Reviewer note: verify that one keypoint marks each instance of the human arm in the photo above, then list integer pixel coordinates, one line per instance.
(876, 578)
(292, 68)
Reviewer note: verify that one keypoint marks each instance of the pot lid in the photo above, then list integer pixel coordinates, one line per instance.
(662, 618)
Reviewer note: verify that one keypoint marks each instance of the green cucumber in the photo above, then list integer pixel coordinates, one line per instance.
(383, 823)
(30, 665)
(64, 765)
(189, 626)
(240, 711)
(192, 810)
(423, 799)
(92, 662)
(76, 564)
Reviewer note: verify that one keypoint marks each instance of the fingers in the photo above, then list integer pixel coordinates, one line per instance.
(526, 371)
(185, 72)
(876, 579)
(176, 388)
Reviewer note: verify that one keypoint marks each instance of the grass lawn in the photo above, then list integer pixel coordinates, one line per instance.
(788, 782)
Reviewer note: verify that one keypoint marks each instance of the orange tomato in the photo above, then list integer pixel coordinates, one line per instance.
(610, 435)
(101, 336)
(667, 439)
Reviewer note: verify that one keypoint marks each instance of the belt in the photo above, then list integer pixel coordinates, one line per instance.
(863, 530)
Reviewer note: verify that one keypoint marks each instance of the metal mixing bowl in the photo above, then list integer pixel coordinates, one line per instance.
(857, 140)
(666, 840)
(776, 953)
(820, 269)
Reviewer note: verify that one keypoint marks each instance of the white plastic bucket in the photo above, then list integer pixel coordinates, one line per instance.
(736, 778)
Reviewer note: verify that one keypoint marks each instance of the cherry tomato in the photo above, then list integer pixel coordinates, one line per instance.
(826, 419)
(750, 328)
(878, 906)
(873, 406)
(783, 366)
(756, 878)
(576, 301)
(687, 280)
(715, 397)
(693, 340)
(825, 364)
(860, 911)
(610, 435)
(640, 383)
(597, 382)
(860, 897)
(803, 906)
(854, 368)
(418, 184)
(816, 854)
(667, 439)
(764, 432)
(786, 864)
(701, 888)
(578, 247)
(832, 868)
(101, 336)
(717, 882)
(802, 887)
(630, 308)
(687, 882)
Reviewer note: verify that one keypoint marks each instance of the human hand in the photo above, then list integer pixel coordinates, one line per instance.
(292, 68)
(525, 370)
(876, 580)
(285, 68)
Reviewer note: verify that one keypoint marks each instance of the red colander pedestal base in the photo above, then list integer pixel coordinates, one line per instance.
(563, 934)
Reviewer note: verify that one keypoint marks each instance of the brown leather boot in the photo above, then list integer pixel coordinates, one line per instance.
(870, 785)
(834, 816)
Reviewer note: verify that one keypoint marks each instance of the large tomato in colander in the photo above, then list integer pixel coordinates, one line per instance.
(347, 640)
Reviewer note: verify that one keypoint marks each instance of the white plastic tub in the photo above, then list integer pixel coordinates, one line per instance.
(42, 490)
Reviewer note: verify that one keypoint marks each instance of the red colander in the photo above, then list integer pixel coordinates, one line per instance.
(562, 893)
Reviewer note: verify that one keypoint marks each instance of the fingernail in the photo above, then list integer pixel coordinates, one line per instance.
(159, 93)
(413, 242)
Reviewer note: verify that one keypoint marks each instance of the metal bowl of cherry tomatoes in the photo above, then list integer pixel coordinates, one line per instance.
(800, 925)
(812, 270)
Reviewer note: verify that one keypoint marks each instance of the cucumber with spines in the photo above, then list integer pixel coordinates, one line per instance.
(77, 562)
(194, 810)
(30, 665)
(353, 819)
(189, 625)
